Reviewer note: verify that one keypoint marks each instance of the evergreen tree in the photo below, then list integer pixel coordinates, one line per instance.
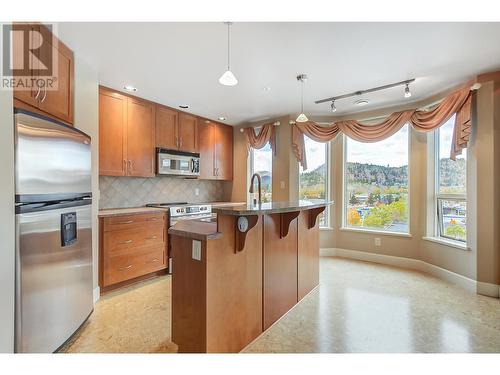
(353, 200)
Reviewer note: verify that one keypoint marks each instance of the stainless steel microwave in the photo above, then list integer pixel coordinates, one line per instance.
(177, 163)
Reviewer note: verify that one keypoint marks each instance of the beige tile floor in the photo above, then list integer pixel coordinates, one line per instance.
(358, 307)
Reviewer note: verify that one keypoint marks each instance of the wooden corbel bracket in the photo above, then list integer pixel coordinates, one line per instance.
(313, 215)
(285, 219)
(239, 236)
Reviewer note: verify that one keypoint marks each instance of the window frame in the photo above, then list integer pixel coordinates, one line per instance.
(251, 170)
(327, 212)
(437, 225)
(345, 226)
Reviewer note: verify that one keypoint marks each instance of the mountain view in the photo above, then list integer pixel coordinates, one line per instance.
(377, 195)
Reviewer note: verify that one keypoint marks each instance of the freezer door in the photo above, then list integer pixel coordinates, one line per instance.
(54, 291)
(51, 159)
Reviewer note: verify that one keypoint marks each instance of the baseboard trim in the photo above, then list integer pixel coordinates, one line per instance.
(487, 289)
(417, 265)
(97, 293)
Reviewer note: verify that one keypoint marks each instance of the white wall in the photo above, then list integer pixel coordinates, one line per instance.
(7, 230)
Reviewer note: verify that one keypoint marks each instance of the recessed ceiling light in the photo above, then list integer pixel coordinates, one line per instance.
(222, 118)
(361, 102)
(130, 88)
(267, 88)
(184, 106)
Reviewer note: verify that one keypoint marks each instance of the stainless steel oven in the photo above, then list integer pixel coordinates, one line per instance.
(177, 163)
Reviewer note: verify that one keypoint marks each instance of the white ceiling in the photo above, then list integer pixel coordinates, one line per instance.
(180, 63)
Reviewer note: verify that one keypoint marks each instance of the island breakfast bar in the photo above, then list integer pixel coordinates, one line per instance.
(232, 279)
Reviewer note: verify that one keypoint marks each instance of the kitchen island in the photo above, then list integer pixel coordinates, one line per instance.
(233, 278)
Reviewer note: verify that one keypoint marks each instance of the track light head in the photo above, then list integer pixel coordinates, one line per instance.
(334, 109)
(407, 91)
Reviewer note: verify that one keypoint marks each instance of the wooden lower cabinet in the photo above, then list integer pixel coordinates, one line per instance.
(131, 246)
(307, 256)
(280, 269)
(217, 301)
(225, 299)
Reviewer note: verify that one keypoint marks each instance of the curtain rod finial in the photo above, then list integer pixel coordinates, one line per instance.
(277, 123)
(475, 86)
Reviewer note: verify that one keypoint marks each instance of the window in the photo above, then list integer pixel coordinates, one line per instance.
(451, 187)
(313, 182)
(261, 162)
(376, 184)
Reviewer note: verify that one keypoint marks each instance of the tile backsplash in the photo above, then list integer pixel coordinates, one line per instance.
(121, 192)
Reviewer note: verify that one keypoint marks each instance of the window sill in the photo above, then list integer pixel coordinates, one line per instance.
(378, 232)
(456, 244)
(325, 228)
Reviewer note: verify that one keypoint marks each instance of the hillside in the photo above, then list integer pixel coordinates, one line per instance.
(452, 174)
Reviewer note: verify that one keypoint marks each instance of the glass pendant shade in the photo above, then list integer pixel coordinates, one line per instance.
(228, 79)
(301, 118)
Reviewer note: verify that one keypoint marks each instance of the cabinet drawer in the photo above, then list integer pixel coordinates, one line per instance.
(133, 221)
(125, 267)
(148, 235)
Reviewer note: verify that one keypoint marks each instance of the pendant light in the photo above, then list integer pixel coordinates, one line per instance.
(302, 117)
(228, 78)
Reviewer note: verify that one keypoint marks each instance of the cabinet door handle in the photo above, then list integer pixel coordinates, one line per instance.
(125, 268)
(125, 242)
(38, 92)
(152, 238)
(130, 165)
(126, 222)
(180, 142)
(154, 260)
(44, 95)
(152, 219)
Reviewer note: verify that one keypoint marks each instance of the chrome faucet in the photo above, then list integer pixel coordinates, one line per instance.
(259, 182)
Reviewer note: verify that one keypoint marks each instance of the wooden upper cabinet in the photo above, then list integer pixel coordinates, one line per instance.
(206, 142)
(112, 133)
(187, 133)
(126, 135)
(215, 142)
(224, 152)
(140, 138)
(166, 127)
(19, 57)
(57, 102)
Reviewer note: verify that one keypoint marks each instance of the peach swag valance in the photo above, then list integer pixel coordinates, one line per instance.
(260, 139)
(459, 103)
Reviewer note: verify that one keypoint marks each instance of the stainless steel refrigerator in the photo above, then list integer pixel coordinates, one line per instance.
(54, 291)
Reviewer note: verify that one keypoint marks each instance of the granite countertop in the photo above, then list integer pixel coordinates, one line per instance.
(128, 211)
(195, 229)
(270, 208)
(141, 210)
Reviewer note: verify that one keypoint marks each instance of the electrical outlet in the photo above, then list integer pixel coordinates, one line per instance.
(196, 250)
(378, 241)
(196, 191)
